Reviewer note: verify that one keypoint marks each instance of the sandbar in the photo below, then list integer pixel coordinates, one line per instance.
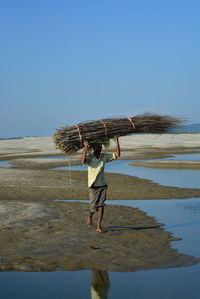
(51, 236)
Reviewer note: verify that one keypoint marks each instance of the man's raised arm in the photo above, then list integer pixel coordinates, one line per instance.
(84, 153)
(117, 152)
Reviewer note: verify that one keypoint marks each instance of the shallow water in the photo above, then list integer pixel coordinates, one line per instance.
(4, 163)
(161, 284)
(181, 217)
(189, 157)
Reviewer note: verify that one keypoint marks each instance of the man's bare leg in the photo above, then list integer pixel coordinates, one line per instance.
(89, 219)
(99, 220)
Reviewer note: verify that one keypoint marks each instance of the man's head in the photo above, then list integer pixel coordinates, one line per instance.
(97, 147)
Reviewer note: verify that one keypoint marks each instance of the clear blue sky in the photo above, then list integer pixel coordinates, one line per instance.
(63, 61)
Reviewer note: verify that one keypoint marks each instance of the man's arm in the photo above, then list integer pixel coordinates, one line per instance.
(117, 152)
(84, 153)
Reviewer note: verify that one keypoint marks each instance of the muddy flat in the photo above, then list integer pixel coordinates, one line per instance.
(62, 184)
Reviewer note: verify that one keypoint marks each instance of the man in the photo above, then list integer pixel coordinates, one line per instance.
(96, 179)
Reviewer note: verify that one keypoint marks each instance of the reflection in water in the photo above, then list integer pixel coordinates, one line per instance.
(100, 284)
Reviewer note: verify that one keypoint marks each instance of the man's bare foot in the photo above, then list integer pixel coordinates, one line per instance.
(100, 230)
(89, 221)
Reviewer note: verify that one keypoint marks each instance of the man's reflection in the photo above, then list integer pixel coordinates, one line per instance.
(100, 284)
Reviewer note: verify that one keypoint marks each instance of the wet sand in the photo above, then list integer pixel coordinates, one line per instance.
(62, 184)
(49, 236)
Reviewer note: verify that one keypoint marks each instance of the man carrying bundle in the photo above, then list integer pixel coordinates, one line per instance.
(96, 179)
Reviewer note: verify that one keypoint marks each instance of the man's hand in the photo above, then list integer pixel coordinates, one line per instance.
(84, 153)
(85, 143)
(117, 153)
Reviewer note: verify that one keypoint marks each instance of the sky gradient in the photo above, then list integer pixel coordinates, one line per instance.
(64, 62)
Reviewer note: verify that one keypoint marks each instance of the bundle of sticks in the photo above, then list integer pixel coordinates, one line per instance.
(70, 139)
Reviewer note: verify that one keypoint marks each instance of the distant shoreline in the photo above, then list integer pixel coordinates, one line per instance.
(44, 146)
(172, 132)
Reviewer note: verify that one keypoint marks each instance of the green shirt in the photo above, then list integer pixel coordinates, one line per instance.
(96, 168)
